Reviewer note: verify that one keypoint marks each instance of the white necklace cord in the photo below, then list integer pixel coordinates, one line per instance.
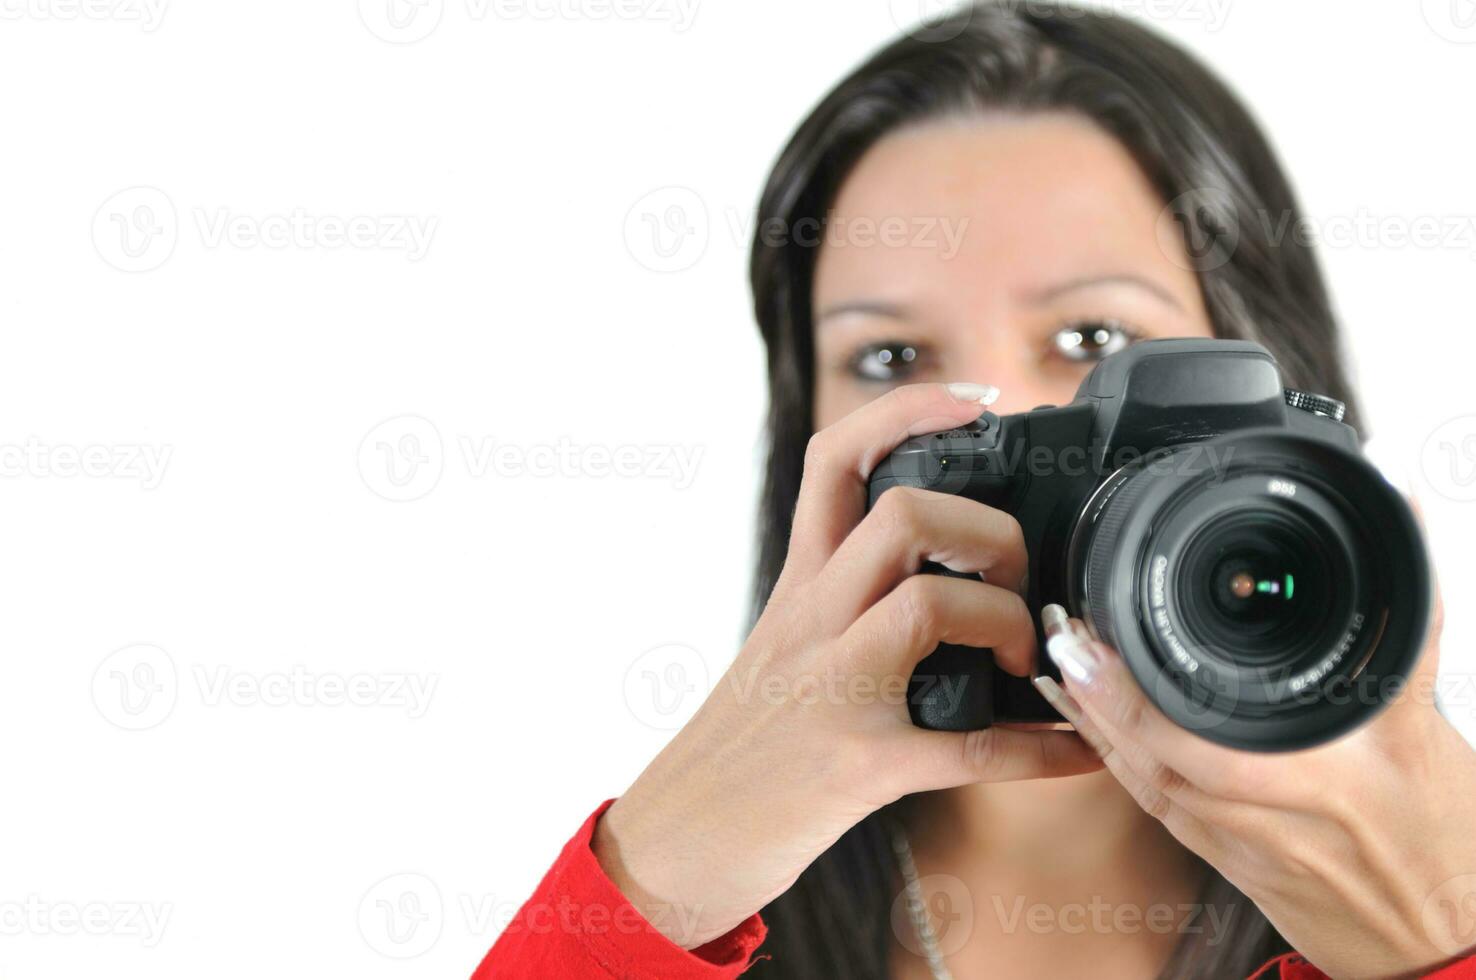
(917, 908)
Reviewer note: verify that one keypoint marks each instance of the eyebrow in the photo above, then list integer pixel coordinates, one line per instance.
(1045, 295)
(869, 307)
(1093, 282)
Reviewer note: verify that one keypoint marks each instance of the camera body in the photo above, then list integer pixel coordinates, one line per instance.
(1265, 585)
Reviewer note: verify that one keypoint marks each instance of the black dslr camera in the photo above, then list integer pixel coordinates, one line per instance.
(1265, 585)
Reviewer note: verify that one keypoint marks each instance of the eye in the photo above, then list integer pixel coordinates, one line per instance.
(886, 361)
(1088, 341)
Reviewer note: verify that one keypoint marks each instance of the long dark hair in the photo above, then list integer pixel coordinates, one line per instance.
(1207, 158)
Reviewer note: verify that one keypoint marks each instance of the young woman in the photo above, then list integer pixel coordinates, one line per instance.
(1062, 184)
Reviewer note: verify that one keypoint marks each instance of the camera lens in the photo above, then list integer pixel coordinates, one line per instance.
(1267, 591)
(1263, 584)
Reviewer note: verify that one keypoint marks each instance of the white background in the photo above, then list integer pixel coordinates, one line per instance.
(267, 825)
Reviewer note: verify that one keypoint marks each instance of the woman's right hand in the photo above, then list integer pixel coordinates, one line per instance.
(808, 732)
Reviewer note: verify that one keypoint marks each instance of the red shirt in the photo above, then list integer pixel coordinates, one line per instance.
(578, 926)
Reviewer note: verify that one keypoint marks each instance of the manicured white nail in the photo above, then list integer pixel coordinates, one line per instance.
(974, 394)
(1054, 619)
(1073, 656)
(1070, 709)
(1057, 698)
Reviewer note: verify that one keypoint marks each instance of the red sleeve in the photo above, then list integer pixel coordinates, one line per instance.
(577, 925)
(1292, 966)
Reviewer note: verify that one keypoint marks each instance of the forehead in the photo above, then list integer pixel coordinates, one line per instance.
(1014, 201)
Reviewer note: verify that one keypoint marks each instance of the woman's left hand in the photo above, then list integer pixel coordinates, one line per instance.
(1362, 852)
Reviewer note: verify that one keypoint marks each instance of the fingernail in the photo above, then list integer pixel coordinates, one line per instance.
(1073, 656)
(1070, 709)
(973, 394)
(1057, 698)
(1079, 628)
(1054, 619)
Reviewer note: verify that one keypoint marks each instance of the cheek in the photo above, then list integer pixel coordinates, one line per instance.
(834, 401)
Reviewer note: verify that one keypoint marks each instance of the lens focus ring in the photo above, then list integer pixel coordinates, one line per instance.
(1119, 498)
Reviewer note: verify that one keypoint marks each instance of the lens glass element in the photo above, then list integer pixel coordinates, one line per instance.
(1260, 585)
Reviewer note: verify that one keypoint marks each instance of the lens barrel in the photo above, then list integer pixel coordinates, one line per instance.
(1267, 591)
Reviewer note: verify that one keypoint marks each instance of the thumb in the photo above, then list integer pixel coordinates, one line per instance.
(940, 760)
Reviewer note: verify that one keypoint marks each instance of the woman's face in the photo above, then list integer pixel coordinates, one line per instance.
(1022, 250)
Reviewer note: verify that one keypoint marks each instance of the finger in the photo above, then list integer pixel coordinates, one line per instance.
(940, 760)
(1109, 695)
(1066, 705)
(1239, 785)
(839, 460)
(923, 611)
(1159, 790)
(908, 527)
(1154, 797)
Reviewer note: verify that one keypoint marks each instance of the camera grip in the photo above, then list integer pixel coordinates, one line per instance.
(952, 688)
